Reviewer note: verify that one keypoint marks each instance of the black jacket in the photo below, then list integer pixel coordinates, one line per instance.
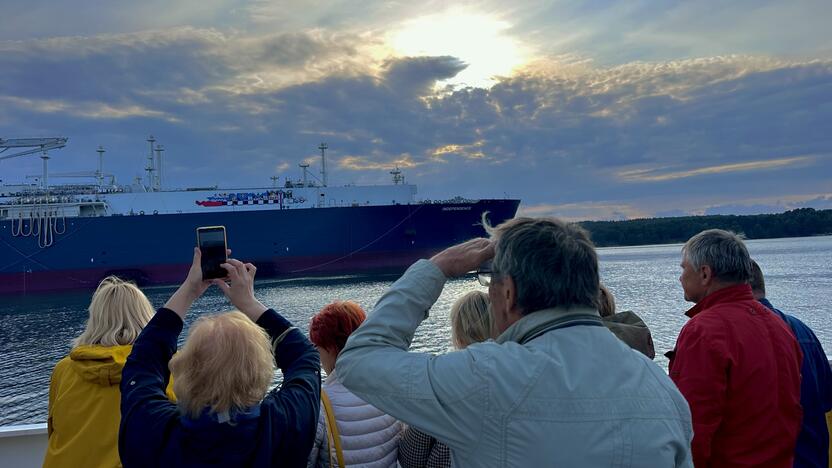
(280, 432)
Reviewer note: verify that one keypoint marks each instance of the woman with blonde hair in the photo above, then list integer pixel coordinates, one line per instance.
(84, 392)
(471, 323)
(350, 432)
(225, 415)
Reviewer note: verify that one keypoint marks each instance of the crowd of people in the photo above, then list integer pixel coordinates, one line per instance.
(544, 371)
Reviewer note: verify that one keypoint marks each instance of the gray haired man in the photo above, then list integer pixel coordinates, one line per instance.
(556, 388)
(737, 364)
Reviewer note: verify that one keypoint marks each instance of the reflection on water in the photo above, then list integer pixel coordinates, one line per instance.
(35, 331)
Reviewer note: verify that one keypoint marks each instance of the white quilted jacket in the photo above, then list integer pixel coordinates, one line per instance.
(369, 438)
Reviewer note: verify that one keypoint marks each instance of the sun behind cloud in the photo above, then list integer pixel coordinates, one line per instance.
(481, 41)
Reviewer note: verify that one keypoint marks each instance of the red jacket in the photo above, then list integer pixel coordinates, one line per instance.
(738, 365)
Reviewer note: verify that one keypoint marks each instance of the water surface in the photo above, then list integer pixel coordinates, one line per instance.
(35, 331)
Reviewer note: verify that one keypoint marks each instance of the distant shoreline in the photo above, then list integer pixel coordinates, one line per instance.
(801, 222)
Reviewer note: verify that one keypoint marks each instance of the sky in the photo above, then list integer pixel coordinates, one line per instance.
(582, 109)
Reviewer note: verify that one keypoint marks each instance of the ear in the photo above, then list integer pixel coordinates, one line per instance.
(508, 291)
(706, 275)
(510, 295)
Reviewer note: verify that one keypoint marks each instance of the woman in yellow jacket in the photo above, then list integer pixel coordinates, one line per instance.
(84, 392)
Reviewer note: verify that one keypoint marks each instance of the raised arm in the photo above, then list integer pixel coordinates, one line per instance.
(438, 394)
(298, 398)
(147, 413)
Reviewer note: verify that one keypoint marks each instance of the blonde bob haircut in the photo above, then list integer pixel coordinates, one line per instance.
(225, 364)
(471, 320)
(118, 313)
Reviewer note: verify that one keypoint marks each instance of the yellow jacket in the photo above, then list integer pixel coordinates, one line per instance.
(84, 413)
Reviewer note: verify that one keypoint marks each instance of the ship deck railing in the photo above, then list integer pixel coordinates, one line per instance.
(24, 445)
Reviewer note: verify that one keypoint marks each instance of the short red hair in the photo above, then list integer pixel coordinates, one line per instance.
(331, 327)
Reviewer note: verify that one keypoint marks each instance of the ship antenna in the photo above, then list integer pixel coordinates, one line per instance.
(323, 147)
(398, 178)
(159, 150)
(150, 167)
(304, 165)
(45, 156)
(274, 180)
(100, 174)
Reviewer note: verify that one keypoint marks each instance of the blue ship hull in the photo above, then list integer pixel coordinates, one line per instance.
(156, 249)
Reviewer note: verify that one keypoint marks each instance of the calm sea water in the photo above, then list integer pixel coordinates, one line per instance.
(35, 331)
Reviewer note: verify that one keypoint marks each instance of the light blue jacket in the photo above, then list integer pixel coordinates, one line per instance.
(572, 396)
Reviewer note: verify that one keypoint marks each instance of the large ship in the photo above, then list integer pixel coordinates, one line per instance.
(70, 236)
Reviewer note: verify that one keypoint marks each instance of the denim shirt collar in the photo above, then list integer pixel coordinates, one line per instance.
(538, 323)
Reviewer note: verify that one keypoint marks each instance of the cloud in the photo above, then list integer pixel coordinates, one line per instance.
(469, 151)
(363, 163)
(772, 204)
(656, 175)
(620, 32)
(587, 211)
(91, 110)
(562, 134)
(417, 75)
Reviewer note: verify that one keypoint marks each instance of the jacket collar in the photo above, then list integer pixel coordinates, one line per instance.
(766, 303)
(737, 292)
(537, 323)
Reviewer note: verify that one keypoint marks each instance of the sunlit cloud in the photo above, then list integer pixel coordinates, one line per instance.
(470, 151)
(655, 175)
(481, 41)
(90, 110)
(363, 163)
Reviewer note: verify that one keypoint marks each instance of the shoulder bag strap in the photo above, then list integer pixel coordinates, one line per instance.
(332, 430)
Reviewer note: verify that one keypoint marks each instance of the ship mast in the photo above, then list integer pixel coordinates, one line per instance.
(398, 178)
(42, 145)
(159, 150)
(304, 165)
(323, 147)
(150, 165)
(100, 174)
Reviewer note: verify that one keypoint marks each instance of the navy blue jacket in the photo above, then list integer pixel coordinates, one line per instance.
(815, 395)
(280, 432)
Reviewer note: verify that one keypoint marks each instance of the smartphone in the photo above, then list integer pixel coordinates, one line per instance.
(212, 243)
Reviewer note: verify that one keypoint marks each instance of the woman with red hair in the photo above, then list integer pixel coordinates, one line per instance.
(350, 431)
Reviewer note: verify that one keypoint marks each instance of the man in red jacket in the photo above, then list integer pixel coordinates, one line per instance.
(736, 363)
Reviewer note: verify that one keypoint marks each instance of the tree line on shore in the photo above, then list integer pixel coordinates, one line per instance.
(799, 222)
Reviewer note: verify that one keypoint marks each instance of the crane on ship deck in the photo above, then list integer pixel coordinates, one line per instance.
(35, 145)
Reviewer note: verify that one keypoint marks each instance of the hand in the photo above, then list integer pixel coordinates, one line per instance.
(240, 288)
(194, 282)
(462, 258)
(191, 289)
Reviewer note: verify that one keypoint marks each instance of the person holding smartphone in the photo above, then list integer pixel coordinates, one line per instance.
(225, 415)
